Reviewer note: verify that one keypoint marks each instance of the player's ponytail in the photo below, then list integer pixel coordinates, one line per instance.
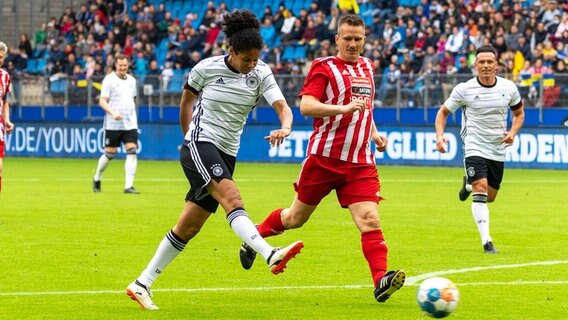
(242, 28)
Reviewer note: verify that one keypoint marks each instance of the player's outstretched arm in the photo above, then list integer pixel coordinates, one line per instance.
(310, 106)
(285, 115)
(517, 124)
(440, 124)
(186, 109)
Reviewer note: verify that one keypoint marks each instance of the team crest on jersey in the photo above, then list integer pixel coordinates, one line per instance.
(217, 170)
(252, 81)
(503, 94)
(470, 171)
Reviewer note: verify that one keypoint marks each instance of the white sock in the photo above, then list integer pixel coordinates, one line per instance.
(101, 166)
(480, 212)
(130, 170)
(245, 229)
(170, 247)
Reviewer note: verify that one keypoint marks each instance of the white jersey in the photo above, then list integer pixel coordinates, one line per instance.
(121, 94)
(225, 98)
(484, 115)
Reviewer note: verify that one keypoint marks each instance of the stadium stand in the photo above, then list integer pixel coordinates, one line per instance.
(531, 34)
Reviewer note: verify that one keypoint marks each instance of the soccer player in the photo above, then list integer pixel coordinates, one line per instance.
(6, 126)
(485, 101)
(217, 98)
(118, 100)
(339, 93)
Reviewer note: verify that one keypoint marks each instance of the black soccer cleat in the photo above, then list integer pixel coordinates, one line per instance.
(489, 248)
(464, 194)
(389, 284)
(131, 190)
(247, 256)
(96, 186)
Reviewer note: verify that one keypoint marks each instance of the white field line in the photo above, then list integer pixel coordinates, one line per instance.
(411, 281)
(93, 292)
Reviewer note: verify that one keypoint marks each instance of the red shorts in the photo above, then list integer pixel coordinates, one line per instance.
(353, 182)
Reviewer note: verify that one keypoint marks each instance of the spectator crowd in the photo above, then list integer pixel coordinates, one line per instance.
(414, 44)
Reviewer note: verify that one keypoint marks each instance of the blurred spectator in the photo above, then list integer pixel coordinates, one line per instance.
(550, 11)
(325, 6)
(118, 9)
(25, 46)
(194, 58)
(167, 75)
(561, 76)
(288, 24)
(82, 15)
(153, 76)
(180, 59)
(430, 58)
(390, 85)
(562, 26)
(295, 35)
(464, 68)
(268, 32)
(332, 23)
(348, 6)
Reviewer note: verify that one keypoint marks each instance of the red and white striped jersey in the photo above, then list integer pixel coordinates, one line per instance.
(335, 81)
(4, 88)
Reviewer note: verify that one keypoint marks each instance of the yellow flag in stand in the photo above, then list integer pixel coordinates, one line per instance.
(84, 83)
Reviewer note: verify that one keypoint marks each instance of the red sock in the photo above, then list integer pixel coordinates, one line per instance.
(272, 225)
(375, 251)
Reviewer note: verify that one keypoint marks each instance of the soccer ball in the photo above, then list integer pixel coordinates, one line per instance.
(438, 297)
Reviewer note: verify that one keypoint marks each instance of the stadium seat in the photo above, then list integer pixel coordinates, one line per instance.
(289, 53)
(41, 67)
(58, 86)
(300, 53)
(32, 66)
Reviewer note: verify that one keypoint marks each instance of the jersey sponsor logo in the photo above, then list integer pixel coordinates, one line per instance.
(360, 81)
(361, 90)
(476, 98)
(252, 81)
(220, 81)
(345, 73)
(217, 170)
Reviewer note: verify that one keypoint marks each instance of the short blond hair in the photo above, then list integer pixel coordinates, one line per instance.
(3, 47)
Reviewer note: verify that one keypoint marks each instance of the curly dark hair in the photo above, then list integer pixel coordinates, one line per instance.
(242, 28)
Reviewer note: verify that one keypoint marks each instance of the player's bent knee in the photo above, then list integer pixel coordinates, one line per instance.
(110, 155)
(296, 221)
(187, 233)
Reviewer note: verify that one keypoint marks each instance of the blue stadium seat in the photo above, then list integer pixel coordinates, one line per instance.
(32, 66)
(300, 53)
(58, 86)
(289, 53)
(41, 67)
(176, 84)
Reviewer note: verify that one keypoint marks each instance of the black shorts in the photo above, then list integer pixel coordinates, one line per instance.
(113, 138)
(201, 162)
(478, 168)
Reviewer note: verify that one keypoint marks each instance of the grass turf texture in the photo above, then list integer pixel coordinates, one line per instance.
(68, 253)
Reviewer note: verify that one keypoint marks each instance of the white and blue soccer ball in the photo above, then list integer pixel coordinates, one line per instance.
(438, 297)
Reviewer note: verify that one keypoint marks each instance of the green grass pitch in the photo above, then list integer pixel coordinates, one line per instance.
(67, 253)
